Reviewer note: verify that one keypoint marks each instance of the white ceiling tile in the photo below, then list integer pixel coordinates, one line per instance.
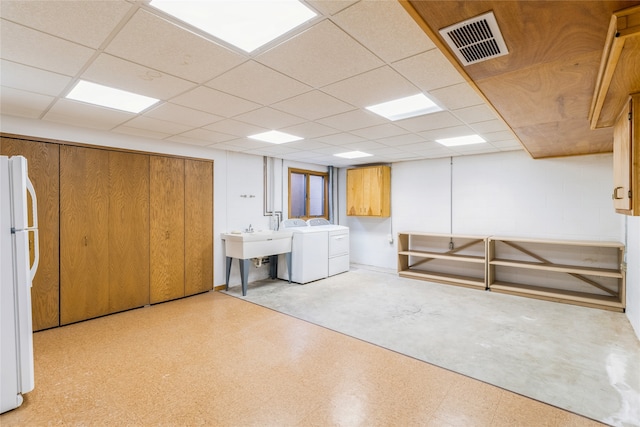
(236, 128)
(91, 116)
(490, 126)
(214, 102)
(330, 7)
(307, 144)
(386, 151)
(395, 35)
(507, 144)
(475, 149)
(158, 44)
(178, 114)
(151, 124)
(437, 120)
(457, 96)
(31, 79)
(498, 136)
(85, 22)
(273, 150)
(422, 146)
(373, 87)
(364, 146)
(450, 132)
(120, 74)
(340, 138)
(477, 113)
(207, 135)
(320, 56)
(269, 118)
(247, 143)
(429, 70)
(255, 82)
(313, 105)
(17, 102)
(310, 130)
(394, 141)
(30, 47)
(146, 133)
(190, 140)
(380, 131)
(356, 119)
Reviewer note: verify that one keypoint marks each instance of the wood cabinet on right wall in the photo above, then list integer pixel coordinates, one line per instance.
(626, 159)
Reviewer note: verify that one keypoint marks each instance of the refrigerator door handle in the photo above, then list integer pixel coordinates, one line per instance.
(34, 201)
(36, 255)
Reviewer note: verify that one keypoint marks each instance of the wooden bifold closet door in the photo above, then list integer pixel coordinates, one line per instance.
(84, 233)
(43, 168)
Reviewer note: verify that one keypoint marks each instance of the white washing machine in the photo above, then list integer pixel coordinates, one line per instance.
(338, 236)
(309, 252)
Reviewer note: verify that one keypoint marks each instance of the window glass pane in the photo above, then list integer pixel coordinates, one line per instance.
(298, 189)
(316, 195)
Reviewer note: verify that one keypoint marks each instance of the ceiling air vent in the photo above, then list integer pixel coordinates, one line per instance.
(476, 39)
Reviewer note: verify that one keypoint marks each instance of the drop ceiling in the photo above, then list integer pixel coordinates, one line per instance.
(314, 84)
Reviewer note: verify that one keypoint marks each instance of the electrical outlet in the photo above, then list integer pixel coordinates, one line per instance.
(390, 238)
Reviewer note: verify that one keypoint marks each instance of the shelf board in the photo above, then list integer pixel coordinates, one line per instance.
(442, 235)
(533, 265)
(454, 279)
(603, 244)
(559, 295)
(439, 255)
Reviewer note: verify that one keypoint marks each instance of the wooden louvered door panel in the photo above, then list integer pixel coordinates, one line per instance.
(166, 228)
(43, 168)
(128, 230)
(198, 226)
(84, 233)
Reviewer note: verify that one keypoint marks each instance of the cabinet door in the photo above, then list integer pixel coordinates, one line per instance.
(355, 199)
(43, 167)
(166, 194)
(198, 226)
(621, 161)
(128, 230)
(84, 233)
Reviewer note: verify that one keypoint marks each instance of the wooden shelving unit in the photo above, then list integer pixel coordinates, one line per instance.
(574, 272)
(443, 258)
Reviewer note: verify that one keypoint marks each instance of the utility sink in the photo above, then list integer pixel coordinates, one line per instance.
(257, 244)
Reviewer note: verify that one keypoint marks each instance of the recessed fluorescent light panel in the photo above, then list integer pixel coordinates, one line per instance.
(247, 24)
(403, 108)
(461, 140)
(275, 137)
(353, 155)
(106, 96)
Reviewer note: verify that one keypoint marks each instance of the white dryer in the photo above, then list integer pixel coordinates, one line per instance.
(338, 236)
(309, 252)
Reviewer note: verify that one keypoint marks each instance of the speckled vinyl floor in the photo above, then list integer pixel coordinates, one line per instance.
(217, 360)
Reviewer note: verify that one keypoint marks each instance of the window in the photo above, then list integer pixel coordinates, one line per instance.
(308, 194)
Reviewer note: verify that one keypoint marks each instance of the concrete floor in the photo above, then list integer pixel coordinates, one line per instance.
(580, 359)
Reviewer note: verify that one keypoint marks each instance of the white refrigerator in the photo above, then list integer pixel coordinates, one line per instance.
(17, 223)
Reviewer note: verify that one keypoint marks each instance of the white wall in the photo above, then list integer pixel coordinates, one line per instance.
(506, 194)
(633, 271)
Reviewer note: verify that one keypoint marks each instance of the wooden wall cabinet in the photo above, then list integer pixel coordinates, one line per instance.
(368, 191)
(626, 158)
(43, 164)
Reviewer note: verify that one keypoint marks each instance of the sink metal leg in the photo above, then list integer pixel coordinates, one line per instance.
(288, 259)
(244, 273)
(229, 259)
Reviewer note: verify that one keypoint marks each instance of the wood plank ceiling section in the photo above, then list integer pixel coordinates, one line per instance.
(544, 86)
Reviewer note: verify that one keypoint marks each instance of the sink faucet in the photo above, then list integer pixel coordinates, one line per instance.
(249, 230)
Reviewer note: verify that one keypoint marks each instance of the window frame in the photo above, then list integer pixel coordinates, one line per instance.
(307, 173)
